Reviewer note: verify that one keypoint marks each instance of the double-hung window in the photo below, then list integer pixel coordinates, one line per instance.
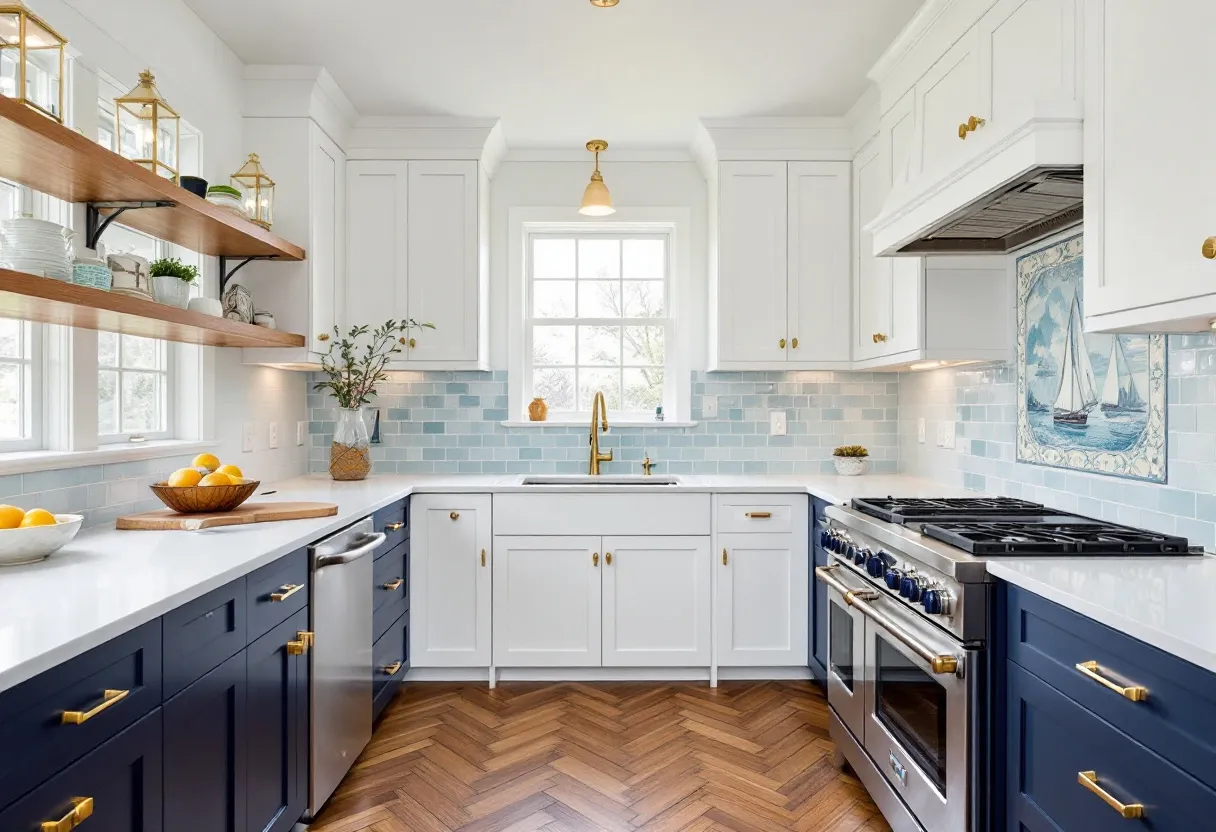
(20, 364)
(597, 319)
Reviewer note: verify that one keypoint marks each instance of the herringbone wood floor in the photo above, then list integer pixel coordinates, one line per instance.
(747, 756)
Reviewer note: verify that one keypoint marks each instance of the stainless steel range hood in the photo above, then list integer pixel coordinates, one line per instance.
(1019, 189)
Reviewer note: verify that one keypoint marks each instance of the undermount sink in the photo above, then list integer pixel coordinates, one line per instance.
(588, 479)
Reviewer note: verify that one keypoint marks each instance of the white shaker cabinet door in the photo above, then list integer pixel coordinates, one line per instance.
(947, 97)
(450, 567)
(818, 249)
(762, 599)
(376, 207)
(547, 601)
(656, 601)
(444, 261)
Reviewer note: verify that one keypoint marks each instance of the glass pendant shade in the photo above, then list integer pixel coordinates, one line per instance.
(257, 191)
(148, 129)
(597, 202)
(31, 61)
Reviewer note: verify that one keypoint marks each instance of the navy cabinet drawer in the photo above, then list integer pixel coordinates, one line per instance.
(276, 592)
(390, 661)
(390, 588)
(394, 522)
(121, 780)
(1177, 717)
(1052, 740)
(203, 633)
(35, 742)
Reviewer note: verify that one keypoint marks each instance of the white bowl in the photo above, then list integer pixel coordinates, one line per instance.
(36, 543)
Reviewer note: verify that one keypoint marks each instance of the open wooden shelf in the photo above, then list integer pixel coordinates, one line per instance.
(49, 301)
(46, 156)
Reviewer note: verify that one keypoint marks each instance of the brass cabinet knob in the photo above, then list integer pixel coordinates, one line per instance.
(970, 126)
(595, 558)
(879, 337)
(413, 343)
(483, 557)
(608, 558)
(724, 557)
(781, 343)
(794, 343)
(962, 131)
(1209, 248)
(455, 515)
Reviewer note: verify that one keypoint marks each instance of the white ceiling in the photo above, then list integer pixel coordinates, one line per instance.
(561, 71)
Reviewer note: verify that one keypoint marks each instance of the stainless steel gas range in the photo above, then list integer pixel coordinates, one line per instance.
(909, 606)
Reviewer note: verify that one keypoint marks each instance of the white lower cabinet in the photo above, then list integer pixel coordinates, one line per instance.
(450, 603)
(656, 601)
(547, 601)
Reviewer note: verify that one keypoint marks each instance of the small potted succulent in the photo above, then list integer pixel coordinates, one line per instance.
(851, 460)
(171, 281)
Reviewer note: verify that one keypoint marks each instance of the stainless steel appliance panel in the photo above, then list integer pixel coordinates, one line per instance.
(846, 660)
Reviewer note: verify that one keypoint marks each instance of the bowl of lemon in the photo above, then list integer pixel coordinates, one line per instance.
(30, 536)
(206, 486)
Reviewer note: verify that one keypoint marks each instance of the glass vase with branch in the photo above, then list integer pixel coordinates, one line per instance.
(354, 364)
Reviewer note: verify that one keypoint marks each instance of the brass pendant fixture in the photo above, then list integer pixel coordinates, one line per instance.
(597, 202)
(605, 4)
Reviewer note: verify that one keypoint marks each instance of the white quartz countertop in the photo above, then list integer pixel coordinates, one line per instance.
(1169, 603)
(107, 582)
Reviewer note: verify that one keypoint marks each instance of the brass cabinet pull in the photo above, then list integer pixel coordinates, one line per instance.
(393, 585)
(483, 557)
(879, 337)
(595, 558)
(1089, 779)
(794, 343)
(392, 527)
(391, 669)
(304, 640)
(82, 810)
(413, 343)
(109, 699)
(970, 126)
(759, 515)
(285, 592)
(608, 558)
(1090, 670)
(455, 515)
(1209, 248)
(781, 343)
(724, 557)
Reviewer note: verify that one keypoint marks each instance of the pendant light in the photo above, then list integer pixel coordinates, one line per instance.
(597, 202)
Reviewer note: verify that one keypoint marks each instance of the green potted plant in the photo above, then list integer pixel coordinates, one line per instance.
(851, 460)
(171, 281)
(354, 364)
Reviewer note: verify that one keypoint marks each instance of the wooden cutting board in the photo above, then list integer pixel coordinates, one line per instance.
(168, 520)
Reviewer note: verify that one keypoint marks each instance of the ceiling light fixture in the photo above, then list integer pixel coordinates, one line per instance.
(597, 202)
(605, 4)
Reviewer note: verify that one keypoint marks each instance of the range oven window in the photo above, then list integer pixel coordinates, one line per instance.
(840, 651)
(912, 706)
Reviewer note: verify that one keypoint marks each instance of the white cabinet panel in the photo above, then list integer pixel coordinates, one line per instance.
(752, 262)
(442, 251)
(656, 597)
(819, 327)
(377, 198)
(326, 251)
(547, 601)
(1015, 77)
(947, 96)
(872, 281)
(450, 580)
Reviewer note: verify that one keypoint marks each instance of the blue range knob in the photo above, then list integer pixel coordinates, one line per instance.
(850, 551)
(876, 567)
(835, 544)
(893, 579)
(911, 588)
(824, 536)
(932, 602)
(860, 555)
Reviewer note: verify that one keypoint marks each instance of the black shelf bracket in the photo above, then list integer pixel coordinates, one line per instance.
(96, 223)
(226, 274)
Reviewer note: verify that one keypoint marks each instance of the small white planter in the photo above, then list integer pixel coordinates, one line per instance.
(851, 466)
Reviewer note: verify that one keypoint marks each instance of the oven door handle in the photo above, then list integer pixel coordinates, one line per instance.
(940, 662)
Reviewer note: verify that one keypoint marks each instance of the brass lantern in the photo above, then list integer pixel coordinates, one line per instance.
(31, 60)
(148, 129)
(257, 191)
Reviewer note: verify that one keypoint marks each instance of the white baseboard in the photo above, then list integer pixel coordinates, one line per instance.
(604, 674)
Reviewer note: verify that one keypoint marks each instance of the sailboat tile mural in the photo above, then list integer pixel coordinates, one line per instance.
(1089, 402)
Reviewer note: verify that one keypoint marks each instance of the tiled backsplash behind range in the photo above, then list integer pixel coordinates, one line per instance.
(445, 422)
(981, 401)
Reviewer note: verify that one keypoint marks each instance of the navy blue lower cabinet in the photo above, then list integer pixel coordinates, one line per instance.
(205, 763)
(818, 658)
(1069, 770)
(202, 633)
(116, 787)
(390, 661)
(276, 741)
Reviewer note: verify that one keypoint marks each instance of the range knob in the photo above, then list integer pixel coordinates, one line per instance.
(825, 536)
(893, 579)
(876, 567)
(836, 544)
(936, 602)
(912, 587)
(861, 556)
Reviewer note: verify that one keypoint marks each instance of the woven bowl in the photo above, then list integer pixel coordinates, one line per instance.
(198, 499)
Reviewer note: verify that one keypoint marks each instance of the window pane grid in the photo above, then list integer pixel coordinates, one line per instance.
(133, 381)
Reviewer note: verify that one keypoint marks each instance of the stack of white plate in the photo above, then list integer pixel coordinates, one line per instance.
(36, 246)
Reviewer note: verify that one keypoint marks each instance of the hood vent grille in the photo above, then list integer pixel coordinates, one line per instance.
(1029, 209)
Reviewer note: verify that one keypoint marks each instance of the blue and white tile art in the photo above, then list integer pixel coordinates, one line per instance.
(1089, 402)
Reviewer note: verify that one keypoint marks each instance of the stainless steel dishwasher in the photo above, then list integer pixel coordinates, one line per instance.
(340, 680)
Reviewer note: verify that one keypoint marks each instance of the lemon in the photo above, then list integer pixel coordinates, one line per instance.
(185, 478)
(37, 517)
(208, 461)
(232, 471)
(216, 479)
(10, 517)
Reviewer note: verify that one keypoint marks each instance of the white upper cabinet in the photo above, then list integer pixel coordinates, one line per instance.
(1150, 166)
(946, 97)
(416, 249)
(1029, 61)
(818, 271)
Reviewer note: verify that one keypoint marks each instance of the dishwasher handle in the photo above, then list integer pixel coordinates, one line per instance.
(366, 543)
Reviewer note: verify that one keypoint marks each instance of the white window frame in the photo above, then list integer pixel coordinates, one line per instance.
(169, 392)
(34, 394)
(526, 224)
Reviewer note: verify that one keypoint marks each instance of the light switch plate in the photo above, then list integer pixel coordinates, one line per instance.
(776, 422)
(941, 434)
(920, 431)
(948, 435)
(247, 437)
(272, 436)
(709, 407)
(301, 432)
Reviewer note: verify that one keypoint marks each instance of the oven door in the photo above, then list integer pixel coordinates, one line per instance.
(916, 719)
(846, 659)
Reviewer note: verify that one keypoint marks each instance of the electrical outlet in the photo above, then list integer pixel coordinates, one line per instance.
(948, 435)
(301, 432)
(272, 436)
(247, 437)
(709, 407)
(776, 422)
(941, 434)
(920, 431)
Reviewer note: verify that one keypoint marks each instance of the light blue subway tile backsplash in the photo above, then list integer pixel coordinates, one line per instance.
(443, 422)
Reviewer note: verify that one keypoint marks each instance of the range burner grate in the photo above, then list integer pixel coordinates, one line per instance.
(1092, 538)
(921, 509)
